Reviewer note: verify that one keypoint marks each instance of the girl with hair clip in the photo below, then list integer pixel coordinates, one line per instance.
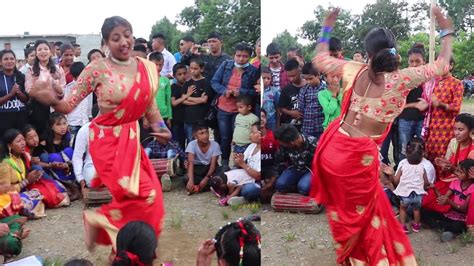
(136, 245)
(236, 244)
(363, 226)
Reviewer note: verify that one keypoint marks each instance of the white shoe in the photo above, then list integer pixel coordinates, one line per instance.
(237, 200)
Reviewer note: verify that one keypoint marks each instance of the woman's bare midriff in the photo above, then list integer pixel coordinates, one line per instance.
(366, 127)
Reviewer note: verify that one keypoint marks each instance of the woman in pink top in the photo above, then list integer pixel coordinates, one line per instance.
(43, 68)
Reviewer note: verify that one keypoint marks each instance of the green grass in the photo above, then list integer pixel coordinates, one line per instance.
(290, 237)
(176, 220)
(253, 207)
(52, 262)
(466, 238)
(225, 214)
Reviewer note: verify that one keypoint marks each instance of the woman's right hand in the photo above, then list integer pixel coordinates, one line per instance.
(43, 91)
(33, 176)
(331, 18)
(443, 21)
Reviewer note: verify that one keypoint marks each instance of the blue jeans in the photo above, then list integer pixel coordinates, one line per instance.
(413, 200)
(240, 149)
(407, 129)
(291, 178)
(250, 192)
(226, 122)
(188, 131)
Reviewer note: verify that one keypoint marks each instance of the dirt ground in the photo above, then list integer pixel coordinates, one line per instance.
(287, 239)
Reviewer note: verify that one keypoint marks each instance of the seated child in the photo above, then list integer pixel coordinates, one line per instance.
(136, 245)
(236, 243)
(241, 182)
(458, 197)
(243, 122)
(202, 155)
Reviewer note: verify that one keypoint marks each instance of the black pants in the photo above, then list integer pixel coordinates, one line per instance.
(8, 120)
(437, 220)
(39, 116)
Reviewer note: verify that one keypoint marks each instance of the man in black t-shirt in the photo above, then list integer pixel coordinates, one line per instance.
(288, 103)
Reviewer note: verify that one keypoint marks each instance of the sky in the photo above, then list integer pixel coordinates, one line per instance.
(70, 17)
(293, 14)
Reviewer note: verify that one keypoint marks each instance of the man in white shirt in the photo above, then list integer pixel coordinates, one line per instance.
(158, 45)
(84, 169)
(83, 112)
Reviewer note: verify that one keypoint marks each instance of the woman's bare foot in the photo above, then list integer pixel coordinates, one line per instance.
(25, 233)
(91, 235)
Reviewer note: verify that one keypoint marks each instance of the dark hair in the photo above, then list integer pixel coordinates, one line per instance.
(241, 46)
(188, 38)
(297, 50)
(216, 182)
(140, 41)
(215, 35)
(273, 48)
(309, 69)
(76, 45)
(76, 69)
(89, 54)
(335, 44)
(263, 110)
(265, 70)
(58, 43)
(156, 56)
(292, 64)
(139, 48)
(198, 61)
(79, 262)
(466, 164)
(158, 36)
(110, 24)
(378, 43)
(66, 46)
(245, 99)
(6, 51)
(286, 133)
(49, 134)
(417, 48)
(258, 125)
(28, 51)
(36, 65)
(466, 119)
(137, 238)
(8, 137)
(228, 244)
(201, 124)
(27, 128)
(414, 152)
(177, 67)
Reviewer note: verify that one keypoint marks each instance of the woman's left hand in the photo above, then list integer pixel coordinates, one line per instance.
(442, 200)
(238, 159)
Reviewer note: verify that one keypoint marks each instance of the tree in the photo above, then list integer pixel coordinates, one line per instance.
(463, 55)
(285, 40)
(342, 30)
(170, 31)
(461, 12)
(235, 20)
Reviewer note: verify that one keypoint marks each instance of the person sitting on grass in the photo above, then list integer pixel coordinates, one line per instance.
(237, 243)
(136, 245)
(243, 181)
(298, 150)
(202, 155)
(458, 196)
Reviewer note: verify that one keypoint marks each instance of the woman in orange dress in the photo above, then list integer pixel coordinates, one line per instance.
(363, 225)
(125, 87)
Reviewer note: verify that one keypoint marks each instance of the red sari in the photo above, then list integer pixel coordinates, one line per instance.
(122, 165)
(360, 216)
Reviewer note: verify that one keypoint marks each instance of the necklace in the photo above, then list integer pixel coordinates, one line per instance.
(122, 63)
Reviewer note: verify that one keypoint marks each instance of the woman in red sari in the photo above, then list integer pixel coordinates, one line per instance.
(125, 87)
(458, 149)
(363, 225)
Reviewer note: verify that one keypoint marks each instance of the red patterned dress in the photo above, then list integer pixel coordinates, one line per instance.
(448, 90)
